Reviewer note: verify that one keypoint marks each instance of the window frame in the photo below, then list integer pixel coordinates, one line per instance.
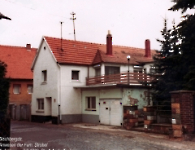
(31, 92)
(40, 104)
(44, 75)
(19, 91)
(110, 70)
(72, 75)
(90, 103)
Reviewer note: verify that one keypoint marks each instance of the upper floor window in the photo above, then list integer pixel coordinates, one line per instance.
(75, 75)
(112, 70)
(16, 88)
(44, 75)
(30, 88)
(139, 69)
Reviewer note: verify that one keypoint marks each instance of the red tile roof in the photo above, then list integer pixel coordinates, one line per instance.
(18, 60)
(85, 53)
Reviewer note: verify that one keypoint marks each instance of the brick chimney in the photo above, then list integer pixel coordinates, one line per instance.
(147, 48)
(28, 46)
(109, 43)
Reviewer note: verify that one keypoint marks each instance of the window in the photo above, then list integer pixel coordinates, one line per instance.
(97, 72)
(44, 75)
(91, 103)
(75, 75)
(30, 88)
(139, 69)
(152, 70)
(16, 88)
(40, 103)
(111, 70)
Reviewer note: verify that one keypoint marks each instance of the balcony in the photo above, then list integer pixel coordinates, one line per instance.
(122, 78)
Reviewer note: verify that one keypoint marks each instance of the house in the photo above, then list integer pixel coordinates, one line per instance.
(19, 60)
(87, 82)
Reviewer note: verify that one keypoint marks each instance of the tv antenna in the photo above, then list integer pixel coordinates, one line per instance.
(73, 18)
(61, 34)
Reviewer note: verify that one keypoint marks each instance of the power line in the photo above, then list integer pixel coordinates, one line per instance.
(73, 18)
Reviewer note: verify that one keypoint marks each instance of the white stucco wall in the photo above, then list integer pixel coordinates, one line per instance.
(148, 66)
(45, 61)
(128, 95)
(91, 71)
(90, 93)
(123, 68)
(115, 93)
(70, 97)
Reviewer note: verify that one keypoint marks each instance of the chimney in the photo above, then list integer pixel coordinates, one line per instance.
(147, 48)
(109, 43)
(28, 46)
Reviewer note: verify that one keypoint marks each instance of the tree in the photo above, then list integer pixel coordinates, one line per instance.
(187, 31)
(167, 74)
(4, 89)
(183, 4)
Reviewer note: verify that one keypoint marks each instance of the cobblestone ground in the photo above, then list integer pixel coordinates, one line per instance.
(43, 137)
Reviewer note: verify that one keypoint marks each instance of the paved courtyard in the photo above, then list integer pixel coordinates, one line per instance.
(38, 136)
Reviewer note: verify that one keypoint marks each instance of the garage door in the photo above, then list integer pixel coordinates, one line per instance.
(111, 112)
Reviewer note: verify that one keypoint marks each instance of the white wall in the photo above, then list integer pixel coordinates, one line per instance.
(45, 61)
(148, 66)
(70, 97)
(114, 93)
(123, 68)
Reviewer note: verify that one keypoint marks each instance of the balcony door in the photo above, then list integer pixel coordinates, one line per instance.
(111, 70)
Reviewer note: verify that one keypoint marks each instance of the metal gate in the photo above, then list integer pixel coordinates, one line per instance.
(111, 112)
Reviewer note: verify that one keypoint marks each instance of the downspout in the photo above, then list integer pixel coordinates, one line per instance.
(59, 94)
(87, 71)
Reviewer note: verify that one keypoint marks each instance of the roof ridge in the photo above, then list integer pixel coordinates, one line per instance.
(127, 46)
(16, 46)
(74, 40)
(93, 42)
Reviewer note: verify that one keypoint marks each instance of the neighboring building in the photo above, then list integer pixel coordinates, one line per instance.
(86, 82)
(19, 61)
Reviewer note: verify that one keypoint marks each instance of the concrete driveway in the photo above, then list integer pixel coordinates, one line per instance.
(38, 136)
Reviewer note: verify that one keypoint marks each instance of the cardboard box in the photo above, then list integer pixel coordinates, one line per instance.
(177, 133)
(176, 127)
(133, 120)
(149, 108)
(148, 122)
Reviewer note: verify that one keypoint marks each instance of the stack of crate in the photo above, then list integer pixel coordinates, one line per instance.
(149, 116)
(176, 120)
(130, 117)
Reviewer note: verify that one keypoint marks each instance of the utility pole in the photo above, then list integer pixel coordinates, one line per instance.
(61, 34)
(73, 18)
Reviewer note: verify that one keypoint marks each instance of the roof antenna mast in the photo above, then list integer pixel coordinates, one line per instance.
(73, 18)
(61, 34)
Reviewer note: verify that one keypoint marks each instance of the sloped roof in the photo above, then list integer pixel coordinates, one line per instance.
(119, 55)
(73, 52)
(18, 60)
(85, 53)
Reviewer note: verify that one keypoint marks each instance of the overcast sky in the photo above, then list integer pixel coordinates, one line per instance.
(130, 21)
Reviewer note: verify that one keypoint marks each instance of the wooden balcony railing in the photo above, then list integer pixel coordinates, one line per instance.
(122, 78)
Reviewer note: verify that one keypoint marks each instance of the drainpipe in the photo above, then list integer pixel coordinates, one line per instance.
(59, 94)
